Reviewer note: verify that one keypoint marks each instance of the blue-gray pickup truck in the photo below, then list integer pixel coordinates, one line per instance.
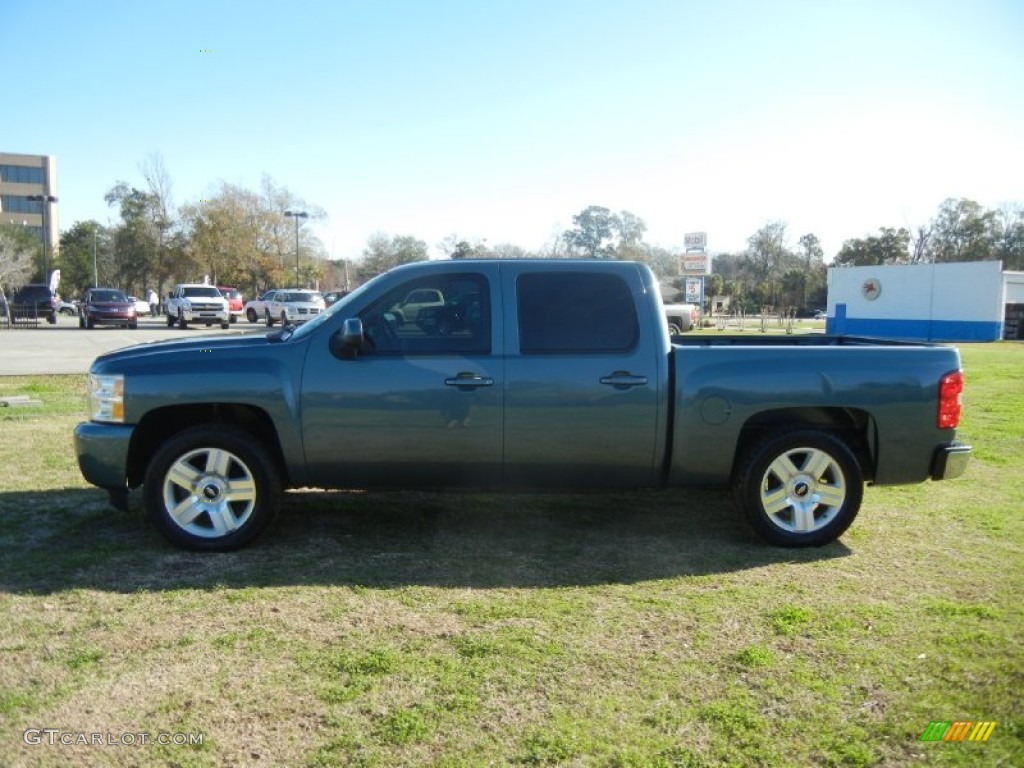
(522, 374)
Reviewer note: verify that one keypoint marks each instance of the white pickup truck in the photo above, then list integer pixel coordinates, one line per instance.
(196, 303)
(681, 318)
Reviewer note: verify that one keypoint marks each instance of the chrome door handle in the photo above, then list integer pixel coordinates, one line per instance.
(469, 381)
(623, 380)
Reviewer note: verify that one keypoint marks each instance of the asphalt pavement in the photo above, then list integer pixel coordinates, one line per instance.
(66, 348)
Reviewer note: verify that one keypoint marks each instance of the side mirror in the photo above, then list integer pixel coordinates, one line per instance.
(345, 344)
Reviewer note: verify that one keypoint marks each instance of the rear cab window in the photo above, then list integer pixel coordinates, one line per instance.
(575, 312)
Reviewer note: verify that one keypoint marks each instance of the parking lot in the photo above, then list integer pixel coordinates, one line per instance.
(66, 348)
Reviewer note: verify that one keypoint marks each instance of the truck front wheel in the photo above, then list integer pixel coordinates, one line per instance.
(802, 488)
(211, 489)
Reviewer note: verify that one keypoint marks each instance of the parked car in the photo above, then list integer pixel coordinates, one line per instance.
(142, 306)
(463, 311)
(234, 299)
(256, 309)
(107, 306)
(196, 303)
(66, 307)
(35, 301)
(408, 309)
(293, 306)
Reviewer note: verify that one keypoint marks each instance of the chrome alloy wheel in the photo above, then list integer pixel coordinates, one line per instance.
(803, 490)
(209, 492)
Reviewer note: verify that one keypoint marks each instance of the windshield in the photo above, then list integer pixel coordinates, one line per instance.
(299, 296)
(107, 296)
(201, 290)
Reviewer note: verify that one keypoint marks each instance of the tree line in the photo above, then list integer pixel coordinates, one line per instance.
(245, 238)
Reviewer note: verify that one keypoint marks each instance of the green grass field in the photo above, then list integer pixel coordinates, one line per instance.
(646, 629)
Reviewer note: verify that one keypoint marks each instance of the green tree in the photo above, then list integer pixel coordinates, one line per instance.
(601, 234)
(594, 226)
(767, 255)
(815, 273)
(136, 238)
(1010, 246)
(383, 252)
(964, 231)
(76, 257)
(891, 246)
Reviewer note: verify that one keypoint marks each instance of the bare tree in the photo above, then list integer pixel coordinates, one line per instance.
(16, 252)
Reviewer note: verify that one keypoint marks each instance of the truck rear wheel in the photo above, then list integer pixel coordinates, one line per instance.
(211, 488)
(802, 488)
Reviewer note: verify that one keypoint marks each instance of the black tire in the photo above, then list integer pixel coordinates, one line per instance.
(81, 322)
(133, 326)
(182, 322)
(674, 330)
(224, 326)
(801, 488)
(235, 485)
(251, 316)
(170, 321)
(233, 318)
(270, 321)
(88, 322)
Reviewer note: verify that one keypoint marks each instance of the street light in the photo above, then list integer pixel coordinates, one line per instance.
(297, 215)
(44, 199)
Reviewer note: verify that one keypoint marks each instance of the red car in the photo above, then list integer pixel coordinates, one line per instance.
(106, 306)
(235, 300)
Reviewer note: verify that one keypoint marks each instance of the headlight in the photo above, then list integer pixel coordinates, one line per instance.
(106, 398)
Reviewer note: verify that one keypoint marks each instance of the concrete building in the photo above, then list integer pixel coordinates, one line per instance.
(953, 301)
(23, 177)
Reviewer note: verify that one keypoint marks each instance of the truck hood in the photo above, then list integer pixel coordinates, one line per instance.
(181, 349)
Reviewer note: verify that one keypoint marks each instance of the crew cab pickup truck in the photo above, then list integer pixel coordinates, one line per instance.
(196, 303)
(563, 377)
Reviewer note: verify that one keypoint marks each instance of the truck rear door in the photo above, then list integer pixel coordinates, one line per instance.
(584, 394)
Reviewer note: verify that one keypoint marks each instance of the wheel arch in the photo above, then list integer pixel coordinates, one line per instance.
(159, 425)
(854, 426)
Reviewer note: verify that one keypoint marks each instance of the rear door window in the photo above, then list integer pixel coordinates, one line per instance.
(572, 312)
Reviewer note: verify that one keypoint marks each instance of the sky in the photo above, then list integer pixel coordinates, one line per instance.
(499, 121)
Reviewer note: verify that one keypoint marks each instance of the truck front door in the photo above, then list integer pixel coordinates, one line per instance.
(422, 403)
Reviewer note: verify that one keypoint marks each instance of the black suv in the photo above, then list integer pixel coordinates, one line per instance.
(34, 301)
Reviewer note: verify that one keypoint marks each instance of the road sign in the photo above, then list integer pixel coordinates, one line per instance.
(693, 264)
(694, 290)
(695, 240)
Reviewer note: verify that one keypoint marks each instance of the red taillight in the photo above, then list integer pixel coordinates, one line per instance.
(950, 387)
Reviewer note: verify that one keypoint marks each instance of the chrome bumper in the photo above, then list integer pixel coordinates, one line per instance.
(950, 461)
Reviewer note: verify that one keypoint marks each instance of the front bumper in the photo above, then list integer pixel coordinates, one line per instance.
(205, 316)
(950, 461)
(102, 452)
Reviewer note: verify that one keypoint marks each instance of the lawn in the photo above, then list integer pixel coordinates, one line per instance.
(641, 629)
